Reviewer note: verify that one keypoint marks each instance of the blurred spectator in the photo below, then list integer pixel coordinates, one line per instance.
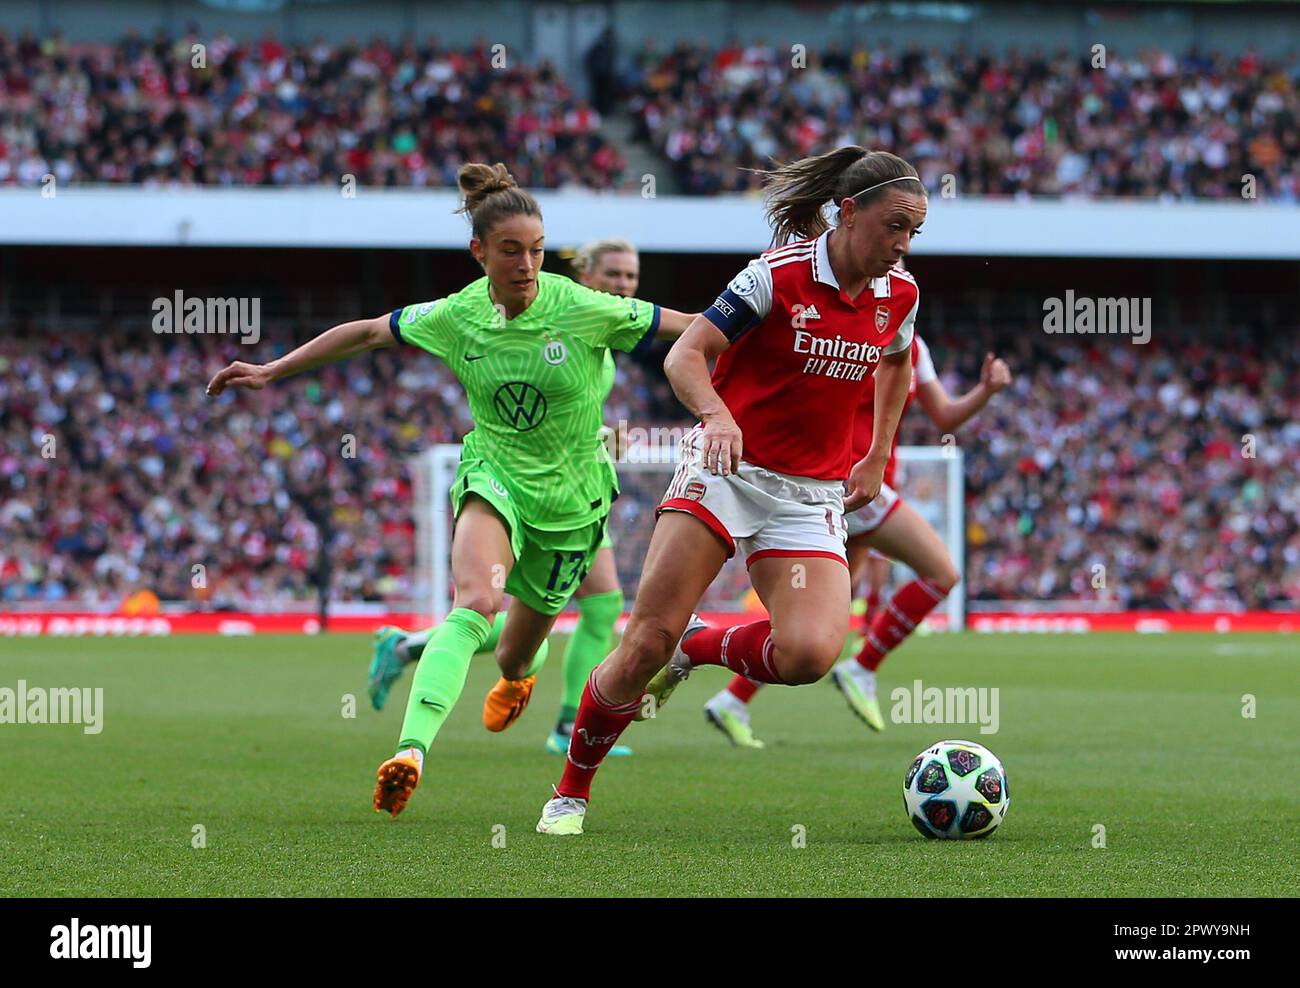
(601, 61)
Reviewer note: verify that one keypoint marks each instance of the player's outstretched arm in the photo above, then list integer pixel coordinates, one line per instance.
(893, 379)
(672, 324)
(338, 343)
(948, 413)
(687, 369)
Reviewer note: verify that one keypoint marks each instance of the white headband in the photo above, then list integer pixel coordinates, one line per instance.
(831, 210)
(904, 178)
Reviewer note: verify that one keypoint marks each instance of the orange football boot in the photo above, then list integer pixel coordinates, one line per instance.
(506, 701)
(398, 778)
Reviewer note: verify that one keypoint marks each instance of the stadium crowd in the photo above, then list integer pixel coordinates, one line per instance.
(1174, 467)
(118, 474)
(1148, 124)
(267, 113)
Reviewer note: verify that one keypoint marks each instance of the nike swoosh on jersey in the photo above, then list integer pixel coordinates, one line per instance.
(479, 357)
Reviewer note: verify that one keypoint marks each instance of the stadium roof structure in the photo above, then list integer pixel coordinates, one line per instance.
(315, 217)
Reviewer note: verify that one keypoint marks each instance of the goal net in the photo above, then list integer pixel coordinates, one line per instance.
(929, 478)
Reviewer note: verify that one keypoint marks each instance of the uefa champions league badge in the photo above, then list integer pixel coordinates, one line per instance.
(744, 284)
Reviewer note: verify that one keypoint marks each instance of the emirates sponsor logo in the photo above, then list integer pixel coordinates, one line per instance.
(838, 348)
(838, 358)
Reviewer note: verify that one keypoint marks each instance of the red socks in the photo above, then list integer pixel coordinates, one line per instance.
(897, 620)
(873, 604)
(598, 725)
(745, 649)
(743, 689)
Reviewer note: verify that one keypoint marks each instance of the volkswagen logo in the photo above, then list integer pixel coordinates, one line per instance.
(520, 405)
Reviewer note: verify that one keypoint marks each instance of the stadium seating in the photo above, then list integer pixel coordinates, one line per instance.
(1100, 455)
(266, 113)
(1155, 124)
(1152, 124)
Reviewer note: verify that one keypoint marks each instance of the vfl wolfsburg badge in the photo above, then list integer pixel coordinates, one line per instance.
(555, 353)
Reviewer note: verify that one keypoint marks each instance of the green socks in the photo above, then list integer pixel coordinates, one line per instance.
(444, 654)
(588, 646)
(539, 659)
(490, 642)
(417, 640)
(440, 676)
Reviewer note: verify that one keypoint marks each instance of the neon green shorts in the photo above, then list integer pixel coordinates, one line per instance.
(549, 566)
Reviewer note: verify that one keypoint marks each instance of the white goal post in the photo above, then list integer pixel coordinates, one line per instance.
(930, 479)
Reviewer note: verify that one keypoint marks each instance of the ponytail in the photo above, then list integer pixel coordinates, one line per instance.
(797, 193)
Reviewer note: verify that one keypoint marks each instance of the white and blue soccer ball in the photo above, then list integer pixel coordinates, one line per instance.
(956, 790)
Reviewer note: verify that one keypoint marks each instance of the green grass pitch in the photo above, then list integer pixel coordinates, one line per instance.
(245, 737)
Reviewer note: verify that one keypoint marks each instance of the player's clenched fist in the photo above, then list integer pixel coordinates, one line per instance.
(241, 375)
(864, 482)
(995, 374)
(722, 444)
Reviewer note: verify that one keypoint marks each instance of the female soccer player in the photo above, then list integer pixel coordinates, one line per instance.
(890, 526)
(796, 334)
(610, 265)
(534, 483)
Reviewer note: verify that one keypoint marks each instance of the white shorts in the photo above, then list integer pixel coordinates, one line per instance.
(763, 512)
(872, 515)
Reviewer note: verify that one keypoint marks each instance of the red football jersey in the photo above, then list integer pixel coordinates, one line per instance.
(922, 373)
(802, 354)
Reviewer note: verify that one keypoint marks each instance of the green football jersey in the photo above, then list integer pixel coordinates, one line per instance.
(536, 384)
(607, 377)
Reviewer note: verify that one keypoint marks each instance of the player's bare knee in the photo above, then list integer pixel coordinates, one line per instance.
(807, 660)
(646, 646)
(802, 670)
(945, 577)
(486, 601)
(512, 661)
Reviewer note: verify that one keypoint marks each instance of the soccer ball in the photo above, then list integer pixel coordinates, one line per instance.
(957, 790)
